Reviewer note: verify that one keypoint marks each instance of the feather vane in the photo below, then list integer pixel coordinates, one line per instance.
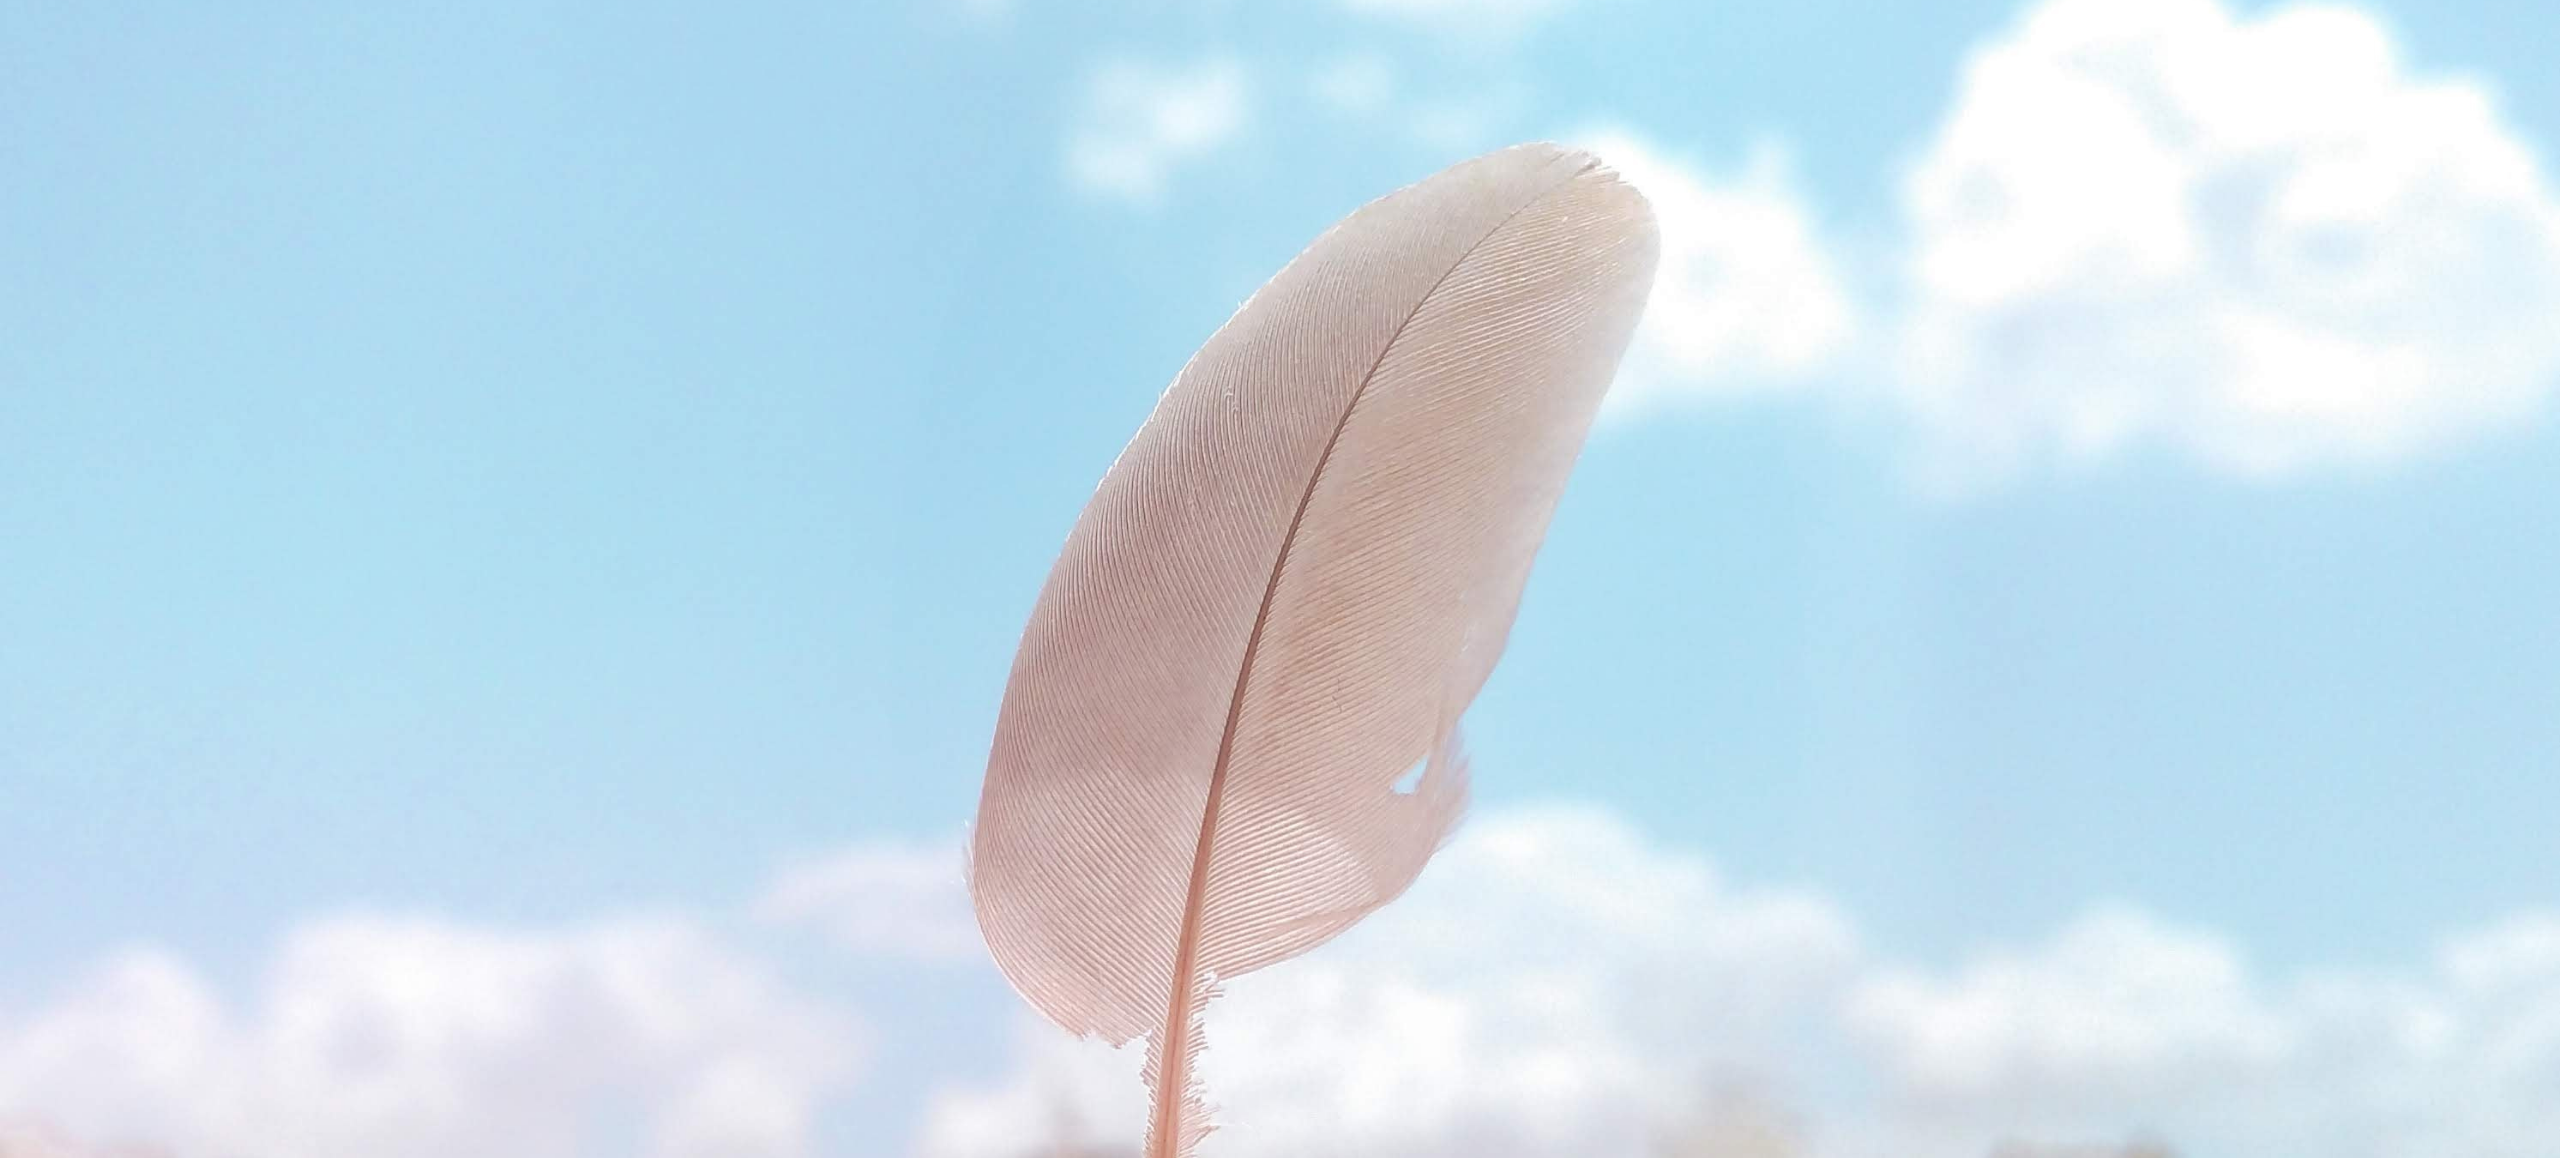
(1283, 595)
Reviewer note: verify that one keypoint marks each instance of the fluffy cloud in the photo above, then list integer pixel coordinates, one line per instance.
(1143, 121)
(386, 1038)
(1558, 985)
(2118, 1010)
(1748, 297)
(2259, 242)
(1555, 985)
(2123, 1023)
(892, 899)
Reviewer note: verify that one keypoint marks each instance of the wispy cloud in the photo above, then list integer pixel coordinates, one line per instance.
(1443, 115)
(1355, 83)
(1464, 17)
(891, 898)
(1142, 122)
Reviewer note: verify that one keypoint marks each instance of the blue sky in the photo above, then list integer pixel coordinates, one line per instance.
(518, 466)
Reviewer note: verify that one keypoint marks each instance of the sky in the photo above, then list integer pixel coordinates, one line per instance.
(514, 520)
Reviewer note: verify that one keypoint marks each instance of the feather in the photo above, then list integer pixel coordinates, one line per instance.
(1284, 593)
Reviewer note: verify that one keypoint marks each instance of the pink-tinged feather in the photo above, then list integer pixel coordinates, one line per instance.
(1283, 595)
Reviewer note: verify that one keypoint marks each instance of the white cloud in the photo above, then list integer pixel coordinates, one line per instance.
(2118, 1008)
(2122, 1023)
(1748, 297)
(2261, 242)
(1558, 985)
(1065, 1097)
(386, 1038)
(883, 898)
(1551, 986)
(1143, 121)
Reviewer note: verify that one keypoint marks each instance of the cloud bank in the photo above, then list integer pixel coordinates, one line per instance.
(1558, 985)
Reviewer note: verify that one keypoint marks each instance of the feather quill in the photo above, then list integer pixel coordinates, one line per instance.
(1283, 595)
